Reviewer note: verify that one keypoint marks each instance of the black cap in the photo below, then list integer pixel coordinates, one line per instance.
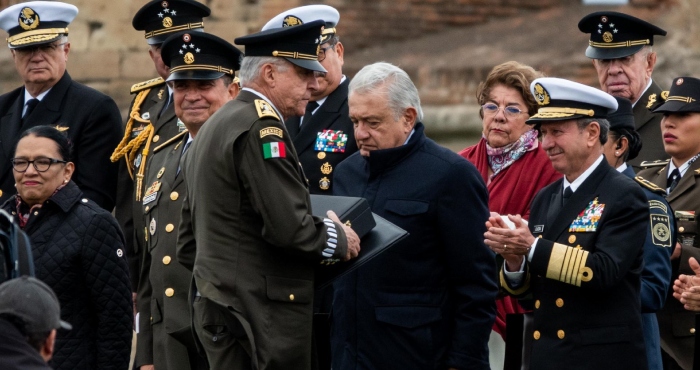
(199, 56)
(299, 44)
(622, 118)
(31, 300)
(161, 18)
(616, 35)
(684, 96)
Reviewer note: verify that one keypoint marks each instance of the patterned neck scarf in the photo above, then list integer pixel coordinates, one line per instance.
(501, 158)
(24, 211)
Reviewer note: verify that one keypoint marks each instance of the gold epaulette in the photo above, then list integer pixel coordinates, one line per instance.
(649, 185)
(169, 141)
(647, 164)
(265, 109)
(146, 84)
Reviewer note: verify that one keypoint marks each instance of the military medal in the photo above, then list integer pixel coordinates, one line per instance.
(152, 226)
(324, 183)
(180, 126)
(326, 169)
(333, 141)
(151, 193)
(587, 220)
(160, 172)
(321, 155)
(137, 161)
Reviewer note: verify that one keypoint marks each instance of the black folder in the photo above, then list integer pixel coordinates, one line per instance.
(382, 237)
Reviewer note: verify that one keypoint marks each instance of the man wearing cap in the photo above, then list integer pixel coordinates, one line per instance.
(199, 90)
(151, 119)
(621, 48)
(680, 177)
(29, 317)
(323, 136)
(38, 40)
(247, 208)
(580, 255)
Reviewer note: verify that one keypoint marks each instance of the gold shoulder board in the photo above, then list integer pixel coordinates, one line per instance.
(170, 141)
(647, 164)
(265, 109)
(649, 185)
(146, 84)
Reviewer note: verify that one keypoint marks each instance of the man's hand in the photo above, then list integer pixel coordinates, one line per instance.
(513, 244)
(686, 288)
(350, 235)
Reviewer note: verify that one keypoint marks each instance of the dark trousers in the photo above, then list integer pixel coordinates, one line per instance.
(223, 345)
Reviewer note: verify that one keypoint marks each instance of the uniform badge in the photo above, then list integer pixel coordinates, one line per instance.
(541, 95)
(146, 116)
(28, 19)
(151, 193)
(652, 100)
(180, 126)
(660, 230)
(291, 21)
(265, 109)
(679, 82)
(152, 226)
(587, 220)
(538, 228)
(274, 131)
(321, 155)
(664, 95)
(160, 172)
(274, 150)
(136, 131)
(333, 141)
(160, 94)
(189, 58)
(324, 183)
(326, 168)
(137, 161)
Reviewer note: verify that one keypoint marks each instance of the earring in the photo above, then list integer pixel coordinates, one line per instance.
(617, 153)
(65, 181)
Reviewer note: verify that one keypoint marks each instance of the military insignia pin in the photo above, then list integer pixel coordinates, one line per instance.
(604, 19)
(664, 95)
(324, 183)
(541, 95)
(652, 100)
(164, 4)
(291, 21)
(587, 220)
(28, 19)
(679, 81)
(607, 36)
(152, 227)
(326, 168)
(189, 58)
(146, 116)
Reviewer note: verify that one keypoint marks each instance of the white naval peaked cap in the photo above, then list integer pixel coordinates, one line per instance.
(306, 14)
(559, 99)
(36, 22)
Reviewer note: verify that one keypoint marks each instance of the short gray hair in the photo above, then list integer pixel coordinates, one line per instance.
(602, 122)
(250, 67)
(392, 80)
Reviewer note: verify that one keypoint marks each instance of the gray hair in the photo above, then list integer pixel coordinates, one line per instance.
(602, 122)
(392, 80)
(250, 67)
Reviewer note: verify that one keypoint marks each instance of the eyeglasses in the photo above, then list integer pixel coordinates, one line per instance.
(491, 109)
(40, 164)
(43, 49)
(322, 52)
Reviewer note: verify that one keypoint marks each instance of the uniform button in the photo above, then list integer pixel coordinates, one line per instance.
(560, 302)
(151, 318)
(692, 330)
(156, 138)
(166, 260)
(174, 195)
(36, 213)
(169, 292)
(0, 193)
(536, 334)
(169, 228)
(560, 334)
(539, 237)
(681, 229)
(291, 297)
(147, 208)
(537, 303)
(572, 239)
(84, 200)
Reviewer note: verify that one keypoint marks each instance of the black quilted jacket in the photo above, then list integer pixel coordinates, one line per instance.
(78, 251)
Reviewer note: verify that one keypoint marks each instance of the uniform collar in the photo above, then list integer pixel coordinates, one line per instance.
(579, 180)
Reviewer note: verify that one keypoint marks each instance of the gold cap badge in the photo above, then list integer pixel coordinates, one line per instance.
(28, 19)
(541, 95)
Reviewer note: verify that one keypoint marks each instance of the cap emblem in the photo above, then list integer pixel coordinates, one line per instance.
(28, 19)
(604, 19)
(189, 58)
(164, 4)
(664, 95)
(167, 22)
(291, 21)
(541, 95)
(186, 37)
(607, 36)
(679, 82)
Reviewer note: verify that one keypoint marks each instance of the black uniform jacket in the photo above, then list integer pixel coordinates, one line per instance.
(319, 164)
(648, 126)
(92, 122)
(257, 243)
(585, 274)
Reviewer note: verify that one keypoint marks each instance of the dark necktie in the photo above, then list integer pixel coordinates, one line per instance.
(166, 105)
(567, 194)
(31, 104)
(310, 108)
(672, 180)
(187, 145)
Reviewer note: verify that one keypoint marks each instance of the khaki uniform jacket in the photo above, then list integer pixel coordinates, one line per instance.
(163, 295)
(128, 211)
(677, 325)
(257, 244)
(648, 125)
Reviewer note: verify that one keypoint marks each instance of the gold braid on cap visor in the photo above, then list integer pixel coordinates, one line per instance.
(28, 37)
(684, 99)
(202, 67)
(188, 26)
(562, 112)
(294, 55)
(625, 44)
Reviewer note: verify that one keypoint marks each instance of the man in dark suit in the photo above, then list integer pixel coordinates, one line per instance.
(429, 301)
(38, 40)
(151, 119)
(247, 215)
(620, 46)
(323, 136)
(581, 253)
(166, 340)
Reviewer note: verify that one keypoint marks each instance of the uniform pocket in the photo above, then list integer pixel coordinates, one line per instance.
(289, 290)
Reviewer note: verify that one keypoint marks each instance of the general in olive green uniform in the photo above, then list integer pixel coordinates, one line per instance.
(248, 211)
(151, 118)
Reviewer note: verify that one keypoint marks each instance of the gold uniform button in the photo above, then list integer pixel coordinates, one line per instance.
(539, 237)
(572, 239)
(537, 303)
(560, 302)
(291, 297)
(561, 334)
(147, 208)
(156, 138)
(692, 330)
(0, 193)
(681, 229)
(166, 260)
(321, 155)
(169, 228)
(174, 195)
(169, 292)
(536, 334)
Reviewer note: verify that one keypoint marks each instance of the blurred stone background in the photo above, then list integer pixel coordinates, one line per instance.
(447, 46)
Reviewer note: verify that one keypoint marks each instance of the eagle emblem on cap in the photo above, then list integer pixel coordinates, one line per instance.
(189, 58)
(541, 95)
(607, 36)
(291, 21)
(664, 95)
(28, 19)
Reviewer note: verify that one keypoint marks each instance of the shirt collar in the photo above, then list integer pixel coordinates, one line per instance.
(579, 180)
(622, 168)
(266, 99)
(684, 167)
(28, 96)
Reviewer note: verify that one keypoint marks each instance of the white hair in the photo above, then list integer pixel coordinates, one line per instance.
(384, 77)
(250, 67)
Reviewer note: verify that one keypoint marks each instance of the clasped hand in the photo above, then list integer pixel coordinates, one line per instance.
(511, 243)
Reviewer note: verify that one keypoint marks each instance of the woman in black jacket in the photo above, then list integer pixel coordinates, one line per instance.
(78, 251)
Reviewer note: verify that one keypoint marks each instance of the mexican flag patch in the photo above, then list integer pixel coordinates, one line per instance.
(274, 150)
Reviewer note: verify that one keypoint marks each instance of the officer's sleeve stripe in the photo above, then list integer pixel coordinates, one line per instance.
(568, 265)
